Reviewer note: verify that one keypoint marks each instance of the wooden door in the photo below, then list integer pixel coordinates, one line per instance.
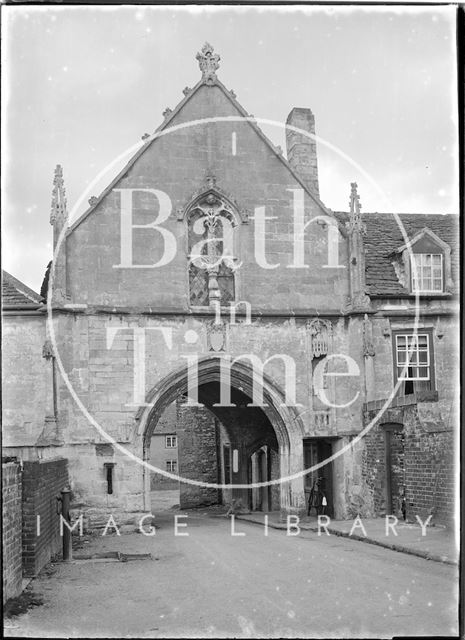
(395, 472)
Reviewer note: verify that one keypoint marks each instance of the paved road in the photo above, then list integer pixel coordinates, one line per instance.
(211, 584)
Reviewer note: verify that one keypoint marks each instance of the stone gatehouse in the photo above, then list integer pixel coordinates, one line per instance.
(211, 251)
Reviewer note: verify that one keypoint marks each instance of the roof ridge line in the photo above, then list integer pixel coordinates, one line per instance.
(249, 118)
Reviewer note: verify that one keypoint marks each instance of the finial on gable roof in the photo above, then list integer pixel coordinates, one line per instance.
(355, 208)
(354, 202)
(208, 63)
(58, 208)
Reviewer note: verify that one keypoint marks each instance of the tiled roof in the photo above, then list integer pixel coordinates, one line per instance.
(16, 294)
(384, 237)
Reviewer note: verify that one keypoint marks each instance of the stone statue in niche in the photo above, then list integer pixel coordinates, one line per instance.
(211, 271)
(321, 332)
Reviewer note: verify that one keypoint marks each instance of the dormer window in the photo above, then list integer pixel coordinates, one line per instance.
(427, 272)
(423, 264)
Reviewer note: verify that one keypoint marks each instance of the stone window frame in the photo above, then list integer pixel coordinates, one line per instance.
(223, 213)
(443, 249)
(233, 212)
(171, 441)
(415, 383)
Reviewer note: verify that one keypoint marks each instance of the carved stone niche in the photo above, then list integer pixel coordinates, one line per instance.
(321, 332)
(216, 337)
(368, 345)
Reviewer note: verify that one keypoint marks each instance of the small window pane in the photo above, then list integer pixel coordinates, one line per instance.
(423, 357)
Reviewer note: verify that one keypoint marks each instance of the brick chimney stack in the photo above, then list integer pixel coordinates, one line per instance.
(301, 149)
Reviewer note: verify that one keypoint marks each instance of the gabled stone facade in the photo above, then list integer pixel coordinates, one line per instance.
(134, 302)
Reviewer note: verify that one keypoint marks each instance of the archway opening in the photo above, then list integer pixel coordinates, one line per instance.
(217, 445)
(231, 445)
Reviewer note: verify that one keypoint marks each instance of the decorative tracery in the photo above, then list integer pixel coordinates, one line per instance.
(211, 222)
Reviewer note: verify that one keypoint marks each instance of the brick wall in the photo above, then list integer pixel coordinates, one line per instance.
(11, 530)
(374, 468)
(42, 482)
(428, 460)
(430, 476)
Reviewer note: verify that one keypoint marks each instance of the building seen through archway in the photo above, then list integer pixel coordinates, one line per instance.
(215, 445)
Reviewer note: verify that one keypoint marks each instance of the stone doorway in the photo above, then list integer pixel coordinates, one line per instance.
(317, 450)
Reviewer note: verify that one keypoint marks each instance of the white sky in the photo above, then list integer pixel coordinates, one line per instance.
(82, 84)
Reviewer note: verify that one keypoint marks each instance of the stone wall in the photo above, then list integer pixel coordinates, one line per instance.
(198, 456)
(177, 164)
(42, 483)
(25, 376)
(445, 344)
(103, 377)
(11, 530)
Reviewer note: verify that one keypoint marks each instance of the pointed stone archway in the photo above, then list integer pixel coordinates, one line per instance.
(283, 419)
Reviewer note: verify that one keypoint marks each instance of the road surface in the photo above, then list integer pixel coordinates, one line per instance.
(213, 584)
